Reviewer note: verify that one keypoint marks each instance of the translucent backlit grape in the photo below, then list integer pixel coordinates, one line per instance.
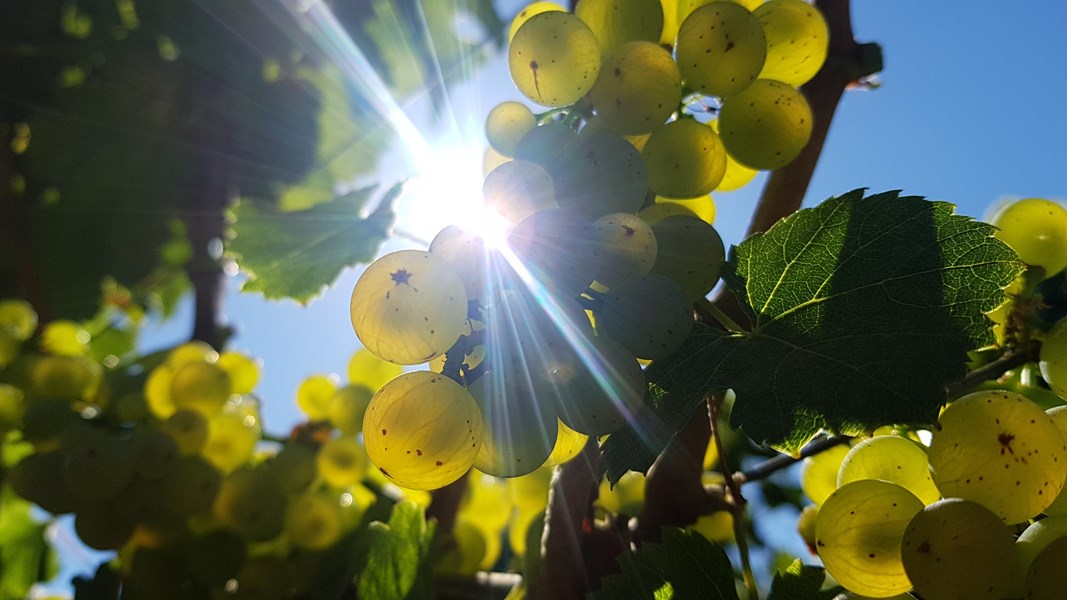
(200, 386)
(528, 12)
(18, 318)
(616, 22)
(568, 444)
(518, 189)
(818, 477)
(893, 459)
(766, 125)
(685, 159)
(364, 368)
(691, 255)
(798, 40)
(720, 49)
(638, 88)
(232, 438)
(314, 394)
(554, 59)
(701, 207)
(242, 369)
(506, 124)
(1038, 536)
(314, 521)
(188, 429)
(65, 338)
(347, 407)
(1054, 358)
(626, 244)
(251, 503)
(1037, 230)
(341, 462)
(600, 173)
(465, 252)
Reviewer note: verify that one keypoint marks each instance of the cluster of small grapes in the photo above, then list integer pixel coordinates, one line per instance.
(981, 511)
(601, 254)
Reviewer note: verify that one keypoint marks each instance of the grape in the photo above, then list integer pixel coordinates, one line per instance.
(720, 49)
(956, 548)
(626, 244)
(408, 307)
(520, 431)
(188, 429)
(191, 485)
(554, 59)
(155, 452)
(530, 492)
(34, 478)
(638, 88)
(506, 124)
(691, 254)
(68, 377)
(858, 534)
(200, 386)
(716, 527)
(598, 174)
(737, 175)
(18, 318)
(626, 497)
(216, 557)
(569, 443)
(231, 439)
(487, 497)
(1044, 579)
(557, 248)
(157, 391)
(518, 189)
(9, 348)
(467, 549)
(766, 125)
(99, 465)
(650, 316)
(466, 253)
(798, 40)
(1054, 358)
(422, 430)
(532, 9)
(893, 459)
(604, 392)
(45, 420)
(616, 22)
(341, 462)
(545, 144)
(102, 527)
(295, 468)
(1036, 230)
(806, 525)
(1038, 536)
(265, 577)
(364, 368)
(1001, 450)
(12, 407)
(315, 521)
(701, 207)
(525, 530)
(65, 338)
(818, 478)
(314, 394)
(347, 407)
(251, 503)
(491, 160)
(243, 371)
(191, 352)
(685, 159)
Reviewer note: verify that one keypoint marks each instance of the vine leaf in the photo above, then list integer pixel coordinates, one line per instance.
(296, 254)
(398, 566)
(684, 565)
(801, 582)
(863, 309)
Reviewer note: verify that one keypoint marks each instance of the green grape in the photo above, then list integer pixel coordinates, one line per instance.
(604, 392)
(526, 524)
(893, 459)
(45, 420)
(34, 478)
(556, 246)
(818, 478)
(1059, 417)
(232, 436)
(626, 244)
(243, 371)
(554, 59)
(649, 315)
(530, 492)
(691, 254)
(531, 9)
(314, 394)
(295, 468)
(1000, 450)
(616, 22)
(191, 352)
(701, 207)
(488, 501)
(506, 124)
(858, 535)
(1036, 229)
(717, 527)
(99, 465)
(600, 173)
(188, 429)
(544, 144)
(638, 88)
(155, 452)
(1038, 536)
(341, 462)
(518, 189)
(798, 40)
(955, 548)
(366, 369)
(12, 407)
(519, 430)
(491, 160)
(720, 49)
(422, 430)
(62, 376)
(1054, 358)
(102, 527)
(466, 551)
(674, 13)
(191, 485)
(144, 503)
(569, 443)
(408, 307)
(65, 338)
(315, 521)
(737, 175)
(626, 497)
(347, 407)
(201, 386)
(1044, 579)
(766, 125)
(250, 502)
(806, 525)
(216, 557)
(18, 318)
(685, 159)
(9, 348)
(157, 391)
(466, 253)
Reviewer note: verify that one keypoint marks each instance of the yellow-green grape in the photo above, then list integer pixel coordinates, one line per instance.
(893, 459)
(188, 429)
(638, 88)
(315, 521)
(231, 439)
(556, 246)
(1037, 230)
(1059, 417)
(737, 175)
(191, 485)
(200, 386)
(1001, 450)
(806, 525)
(342, 461)
(685, 159)
(798, 40)
(691, 254)
(649, 315)
(1054, 358)
(36, 479)
(250, 502)
(466, 253)
(1038, 536)
(520, 429)
(296, 467)
(701, 207)
(518, 189)
(554, 59)
(243, 371)
(858, 536)
(65, 338)
(314, 394)
(101, 527)
(18, 318)
(626, 497)
(626, 244)
(616, 22)
(491, 160)
(488, 500)
(408, 307)
(720, 49)
(99, 465)
(422, 430)
(605, 392)
(9, 348)
(674, 13)
(506, 124)
(716, 527)
(466, 552)
(347, 407)
(60, 376)
(601, 173)
(1044, 578)
(766, 125)
(955, 548)
(524, 522)
(531, 9)
(569, 443)
(216, 557)
(154, 452)
(191, 352)
(545, 144)
(157, 391)
(818, 477)
(12, 407)
(366, 369)
(530, 492)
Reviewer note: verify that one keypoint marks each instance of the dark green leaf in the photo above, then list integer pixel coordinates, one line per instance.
(296, 254)
(801, 582)
(684, 566)
(863, 309)
(397, 565)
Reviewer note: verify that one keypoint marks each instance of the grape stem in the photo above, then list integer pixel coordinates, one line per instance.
(992, 370)
(735, 500)
(719, 315)
(774, 464)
